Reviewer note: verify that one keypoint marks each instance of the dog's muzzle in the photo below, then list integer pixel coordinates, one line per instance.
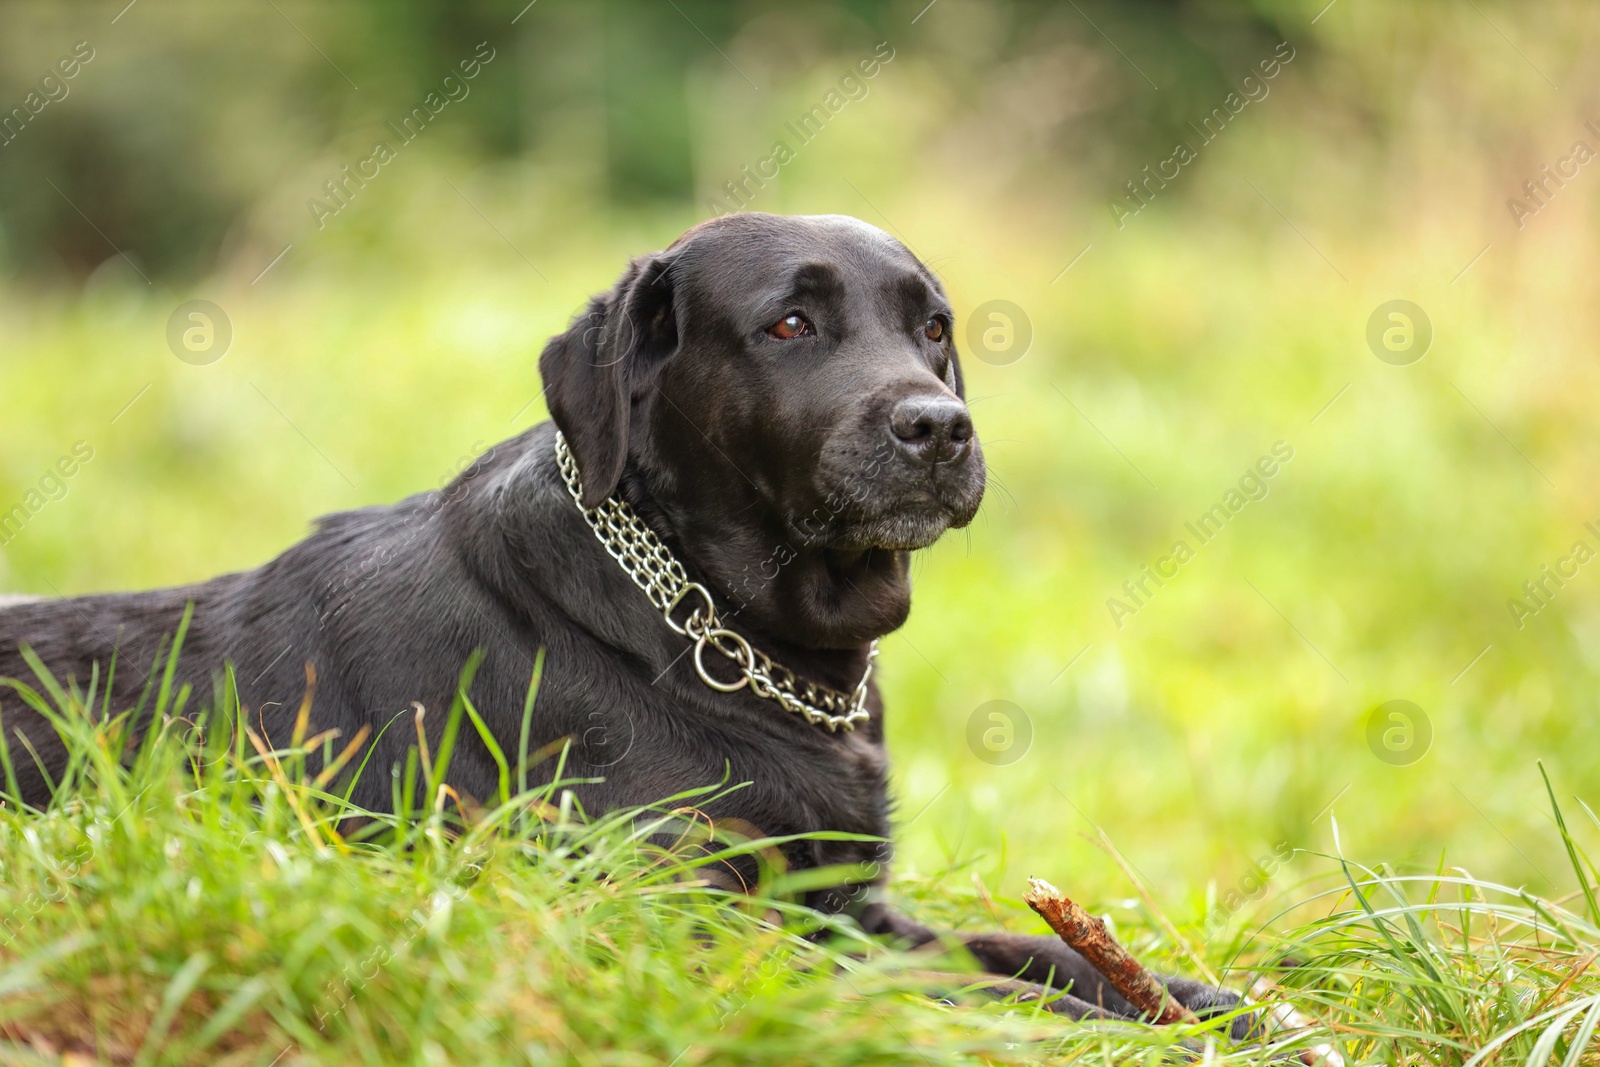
(922, 475)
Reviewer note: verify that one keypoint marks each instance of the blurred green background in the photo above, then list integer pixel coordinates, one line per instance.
(373, 353)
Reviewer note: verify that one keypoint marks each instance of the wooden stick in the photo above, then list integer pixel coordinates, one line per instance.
(1089, 936)
(1132, 875)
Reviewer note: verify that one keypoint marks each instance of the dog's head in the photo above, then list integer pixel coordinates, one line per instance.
(785, 393)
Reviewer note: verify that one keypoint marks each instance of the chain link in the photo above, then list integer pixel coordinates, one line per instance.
(655, 570)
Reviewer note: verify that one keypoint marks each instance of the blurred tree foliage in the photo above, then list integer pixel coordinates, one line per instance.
(191, 111)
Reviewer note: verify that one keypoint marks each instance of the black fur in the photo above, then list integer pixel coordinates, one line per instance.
(791, 477)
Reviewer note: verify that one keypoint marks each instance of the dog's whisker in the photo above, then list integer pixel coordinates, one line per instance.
(992, 479)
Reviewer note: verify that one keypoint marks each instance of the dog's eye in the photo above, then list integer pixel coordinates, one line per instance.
(789, 327)
(934, 329)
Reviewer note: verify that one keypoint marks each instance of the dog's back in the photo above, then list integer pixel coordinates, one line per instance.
(379, 600)
(108, 640)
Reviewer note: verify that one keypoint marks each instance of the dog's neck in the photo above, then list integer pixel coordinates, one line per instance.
(743, 591)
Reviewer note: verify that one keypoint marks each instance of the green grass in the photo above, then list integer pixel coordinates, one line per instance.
(1198, 740)
(1220, 730)
(200, 898)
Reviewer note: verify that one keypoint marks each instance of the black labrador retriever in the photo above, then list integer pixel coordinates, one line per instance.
(751, 432)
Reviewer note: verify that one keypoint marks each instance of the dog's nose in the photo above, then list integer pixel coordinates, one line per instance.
(933, 429)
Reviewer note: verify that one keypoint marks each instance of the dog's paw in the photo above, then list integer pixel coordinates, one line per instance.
(1209, 1001)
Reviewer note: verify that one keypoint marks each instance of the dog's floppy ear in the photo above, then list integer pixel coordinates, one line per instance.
(952, 375)
(952, 372)
(588, 371)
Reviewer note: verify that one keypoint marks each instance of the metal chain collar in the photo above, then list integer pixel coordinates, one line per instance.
(653, 569)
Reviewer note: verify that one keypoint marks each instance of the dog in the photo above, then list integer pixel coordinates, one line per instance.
(750, 434)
